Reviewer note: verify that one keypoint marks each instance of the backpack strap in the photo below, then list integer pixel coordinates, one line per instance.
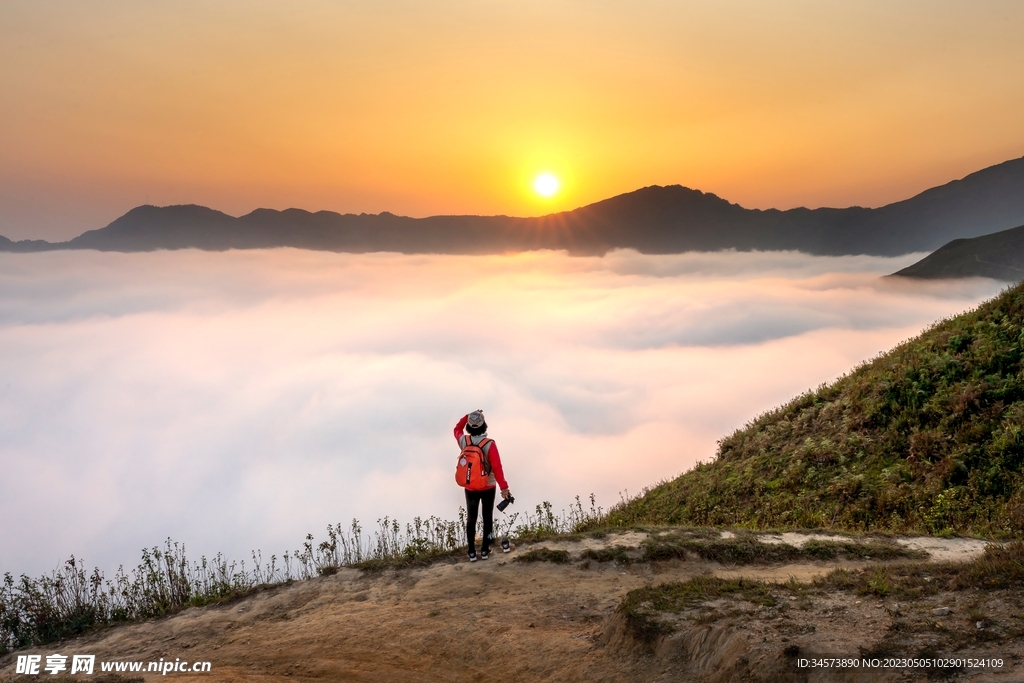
(487, 460)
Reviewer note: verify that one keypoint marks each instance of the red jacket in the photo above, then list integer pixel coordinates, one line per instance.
(491, 452)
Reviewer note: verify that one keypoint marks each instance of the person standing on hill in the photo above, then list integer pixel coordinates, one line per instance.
(471, 430)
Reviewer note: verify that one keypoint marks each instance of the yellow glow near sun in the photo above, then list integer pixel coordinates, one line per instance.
(545, 184)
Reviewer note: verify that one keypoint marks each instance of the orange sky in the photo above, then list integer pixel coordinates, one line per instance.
(451, 106)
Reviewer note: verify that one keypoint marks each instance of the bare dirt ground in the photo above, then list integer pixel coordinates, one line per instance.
(516, 621)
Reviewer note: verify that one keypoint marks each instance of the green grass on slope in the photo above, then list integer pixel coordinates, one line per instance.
(926, 438)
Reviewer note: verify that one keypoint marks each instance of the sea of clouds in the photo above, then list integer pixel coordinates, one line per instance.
(239, 400)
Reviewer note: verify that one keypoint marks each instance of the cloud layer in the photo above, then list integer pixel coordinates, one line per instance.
(239, 400)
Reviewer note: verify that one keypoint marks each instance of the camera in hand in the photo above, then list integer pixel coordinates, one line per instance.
(505, 503)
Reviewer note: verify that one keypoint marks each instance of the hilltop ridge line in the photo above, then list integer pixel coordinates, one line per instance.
(652, 220)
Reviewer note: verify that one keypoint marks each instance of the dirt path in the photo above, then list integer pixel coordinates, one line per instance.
(494, 619)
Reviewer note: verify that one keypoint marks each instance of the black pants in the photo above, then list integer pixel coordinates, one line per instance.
(473, 498)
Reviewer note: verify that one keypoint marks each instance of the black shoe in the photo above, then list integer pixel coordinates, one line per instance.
(484, 554)
(472, 556)
(504, 546)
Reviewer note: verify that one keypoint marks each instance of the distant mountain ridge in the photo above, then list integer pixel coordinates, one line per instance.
(652, 220)
(999, 256)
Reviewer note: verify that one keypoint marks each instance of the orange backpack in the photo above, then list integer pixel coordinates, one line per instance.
(473, 470)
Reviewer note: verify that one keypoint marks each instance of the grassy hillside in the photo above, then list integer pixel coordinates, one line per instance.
(928, 437)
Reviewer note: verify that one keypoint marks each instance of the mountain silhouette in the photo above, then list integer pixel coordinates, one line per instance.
(999, 256)
(652, 220)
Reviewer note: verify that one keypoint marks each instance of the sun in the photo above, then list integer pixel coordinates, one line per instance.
(545, 184)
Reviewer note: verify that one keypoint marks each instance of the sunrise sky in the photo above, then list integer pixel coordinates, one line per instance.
(448, 106)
